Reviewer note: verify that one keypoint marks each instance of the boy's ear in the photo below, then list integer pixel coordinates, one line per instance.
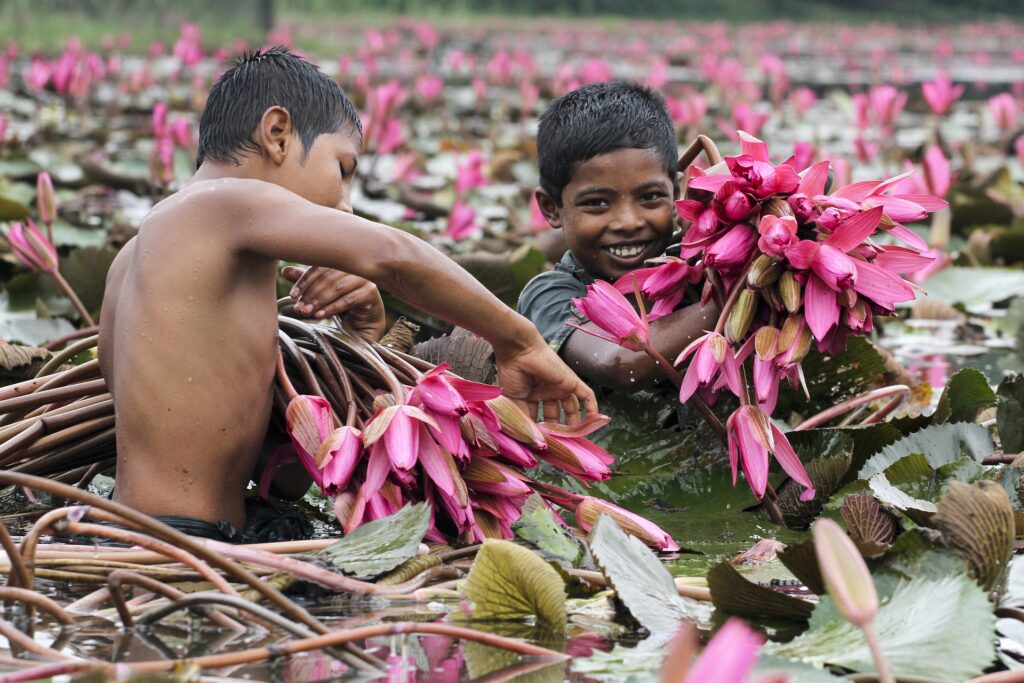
(274, 134)
(548, 207)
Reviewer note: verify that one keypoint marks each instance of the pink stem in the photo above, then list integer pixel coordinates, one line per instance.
(852, 403)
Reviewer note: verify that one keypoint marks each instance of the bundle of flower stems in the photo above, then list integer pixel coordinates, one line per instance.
(375, 427)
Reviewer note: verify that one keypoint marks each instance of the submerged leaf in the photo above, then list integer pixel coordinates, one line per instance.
(381, 545)
(977, 525)
(509, 582)
(641, 581)
(939, 629)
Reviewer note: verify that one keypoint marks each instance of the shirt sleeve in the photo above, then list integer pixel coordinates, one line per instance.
(547, 302)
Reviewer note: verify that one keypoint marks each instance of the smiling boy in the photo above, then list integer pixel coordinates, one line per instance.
(608, 179)
(188, 340)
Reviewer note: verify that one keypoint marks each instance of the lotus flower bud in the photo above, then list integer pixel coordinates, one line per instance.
(740, 317)
(846, 575)
(790, 292)
(45, 198)
(589, 509)
(859, 318)
(764, 272)
(776, 234)
(777, 206)
(795, 335)
(772, 298)
(517, 424)
(831, 218)
(731, 251)
(41, 248)
(766, 342)
(732, 204)
(803, 207)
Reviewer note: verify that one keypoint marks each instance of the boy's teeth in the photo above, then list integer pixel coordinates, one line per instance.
(627, 251)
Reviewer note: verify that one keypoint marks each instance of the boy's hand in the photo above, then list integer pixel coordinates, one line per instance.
(538, 376)
(323, 292)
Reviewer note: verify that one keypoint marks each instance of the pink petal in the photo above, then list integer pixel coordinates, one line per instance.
(813, 180)
(729, 657)
(880, 285)
(791, 464)
(751, 146)
(433, 462)
(929, 203)
(902, 260)
(802, 254)
(855, 229)
(821, 310)
(711, 183)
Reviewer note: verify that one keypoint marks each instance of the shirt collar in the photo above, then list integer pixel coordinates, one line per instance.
(570, 265)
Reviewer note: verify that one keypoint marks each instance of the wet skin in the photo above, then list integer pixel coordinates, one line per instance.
(189, 329)
(617, 211)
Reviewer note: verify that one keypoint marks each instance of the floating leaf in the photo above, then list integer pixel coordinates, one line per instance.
(977, 525)
(732, 593)
(11, 209)
(933, 628)
(975, 287)
(827, 454)
(940, 444)
(913, 487)
(801, 560)
(509, 582)
(918, 553)
(34, 331)
(538, 527)
(871, 527)
(15, 356)
(641, 581)
(967, 393)
(381, 545)
(1010, 413)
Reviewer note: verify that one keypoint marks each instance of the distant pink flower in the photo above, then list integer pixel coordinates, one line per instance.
(469, 173)
(595, 71)
(940, 93)
(937, 175)
(429, 88)
(803, 154)
(1005, 111)
(537, 220)
(886, 104)
(618, 321)
(180, 133)
(657, 77)
(3, 128)
(461, 221)
(160, 119)
(802, 99)
(46, 201)
(37, 75)
(528, 95)
(752, 439)
(743, 118)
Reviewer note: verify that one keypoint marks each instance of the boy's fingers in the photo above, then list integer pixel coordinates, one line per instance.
(292, 273)
(586, 396)
(362, 296)
(330, 289)
(305, 278)
(571, 409)
(552, 411)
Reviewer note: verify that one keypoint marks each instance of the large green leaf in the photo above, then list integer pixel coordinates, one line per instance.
(509, 582)
(940, 444)
(967, 393)
(732, 593)
(538, 527)
(975, 287)
(935, 628)
(85, 270)
(827, 454)
(917, 553)
(381, 545)
(641, 581)
(1010, 413)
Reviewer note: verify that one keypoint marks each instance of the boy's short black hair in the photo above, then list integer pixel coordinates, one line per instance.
(597, 119)
(263, 79)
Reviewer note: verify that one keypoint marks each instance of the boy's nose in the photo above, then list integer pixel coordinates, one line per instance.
(627, 218)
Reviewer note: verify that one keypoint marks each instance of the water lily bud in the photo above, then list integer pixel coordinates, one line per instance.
(766, 341)
(795, 335)
(517, 424)
(589, 509)
(740, 317)
(846, 575)
(859, 318)
(382, 401)
(45, 198)
(41, 247)
(790, 291)
(764, 271)
(772, 298)
(777, 206)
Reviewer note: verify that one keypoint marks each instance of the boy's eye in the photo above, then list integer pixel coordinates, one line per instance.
(593, 202)
(653, 196)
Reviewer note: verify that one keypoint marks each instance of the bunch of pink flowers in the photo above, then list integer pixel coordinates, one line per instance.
(790, 265)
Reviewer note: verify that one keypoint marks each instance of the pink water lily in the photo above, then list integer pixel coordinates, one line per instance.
(589, 508)
(728, 658)
(776, 234)
(46, 201)
(469, 173)
(31, 247)
(886, 104)
(337, 457)
(309, 420)
(567, 448)
(461, 221)
(752, 439)
(712, 358)
(1005, 111)
(398, 428)
(940, 93)
(665, 284)
(445, 393)
(607, 308)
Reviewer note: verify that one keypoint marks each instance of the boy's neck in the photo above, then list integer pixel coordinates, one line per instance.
(215, 170)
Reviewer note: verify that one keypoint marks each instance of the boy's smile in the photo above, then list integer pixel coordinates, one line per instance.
(617, 211)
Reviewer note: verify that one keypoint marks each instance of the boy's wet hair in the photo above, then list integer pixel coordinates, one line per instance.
(597, 119)
(262, 79)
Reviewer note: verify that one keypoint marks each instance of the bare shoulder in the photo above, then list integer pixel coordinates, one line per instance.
(233, 195)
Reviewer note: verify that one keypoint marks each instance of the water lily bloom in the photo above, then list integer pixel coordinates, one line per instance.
(752, 439)
(777, 233)
(469, 173)
(179, 132)
(308, 421)
(399, 428)
(665, 284)
(940, 93)
(1005, 111)
(802, 99)
(846, 576)
(46, 201)
(732, 204)
(337, 458)
(429, 88)
(461, 221)
(935, 166)
(160, 119)
(447, 393)
(568, 450)
(31, 247)
(886, 104)
(588, 510)
(619, 322)
(712, 358)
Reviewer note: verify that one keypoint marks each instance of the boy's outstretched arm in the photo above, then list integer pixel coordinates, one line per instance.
(611, 365)
(273, 222)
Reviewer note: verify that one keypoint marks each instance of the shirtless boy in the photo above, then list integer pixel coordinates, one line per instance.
(188, 339)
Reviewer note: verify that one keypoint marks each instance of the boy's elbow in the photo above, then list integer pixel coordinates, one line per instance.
(396, 253)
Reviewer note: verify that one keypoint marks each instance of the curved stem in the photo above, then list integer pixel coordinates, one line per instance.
(48, 605)
(75, 301)
(48, 671)
(120, 576)
(72, 336)
(192, 600)
(283, 379)
(18, 569)
(67, 354)
(855, 402)
(884, 675)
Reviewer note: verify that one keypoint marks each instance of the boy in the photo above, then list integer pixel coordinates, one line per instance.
(607, 155)
(188, 340)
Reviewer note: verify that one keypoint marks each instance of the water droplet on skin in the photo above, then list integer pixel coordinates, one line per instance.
(190, 380)
(191, 298)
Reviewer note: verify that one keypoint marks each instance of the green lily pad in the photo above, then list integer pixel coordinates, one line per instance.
(967, 393)
(975, 287)
(510, 583)
(34, 331)
(641, 581)
(65, 234)
(11, 209)
(538, 527)
(20, 169)
(1010, 413)
(917, 553)
(381, 545)
(940, 444)
(85, 270)
(934, 628)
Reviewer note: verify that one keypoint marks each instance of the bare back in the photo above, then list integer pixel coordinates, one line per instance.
(193, 327)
